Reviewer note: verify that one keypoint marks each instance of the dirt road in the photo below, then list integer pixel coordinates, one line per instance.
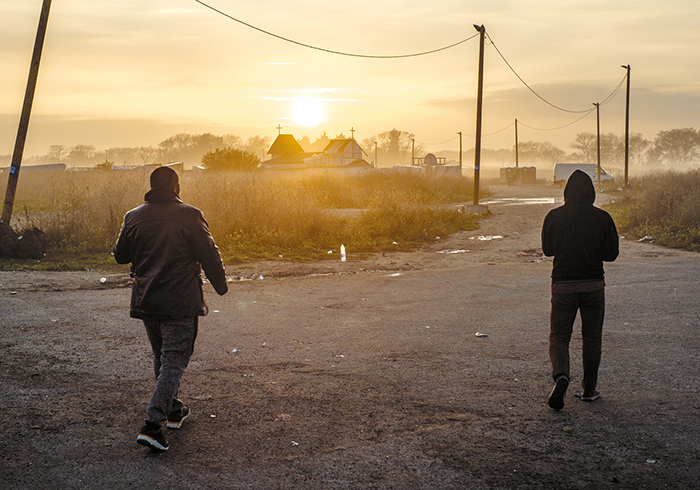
(363, 374)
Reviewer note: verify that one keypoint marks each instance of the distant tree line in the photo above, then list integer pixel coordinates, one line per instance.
(673, 148)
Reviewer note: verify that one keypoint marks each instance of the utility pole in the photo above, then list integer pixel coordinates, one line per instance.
(26, 112)
(597, 118)
(627, 127)
(460, 152)
(516, 143)
(479, 100)
(376, 164)
(413, 151)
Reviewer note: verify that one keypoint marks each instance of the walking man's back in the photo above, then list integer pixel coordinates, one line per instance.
(168, 243)
(581, 237)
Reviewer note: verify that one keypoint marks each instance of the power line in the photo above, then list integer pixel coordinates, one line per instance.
(441, 143)
(330, 50)
(560, 127)
(586, 111)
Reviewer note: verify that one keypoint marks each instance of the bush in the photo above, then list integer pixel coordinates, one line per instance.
(252, 215)
(664, 206)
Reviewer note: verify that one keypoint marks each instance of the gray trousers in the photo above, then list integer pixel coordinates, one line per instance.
(172, 342)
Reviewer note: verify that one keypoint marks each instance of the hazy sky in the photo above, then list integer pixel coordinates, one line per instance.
(131, 73)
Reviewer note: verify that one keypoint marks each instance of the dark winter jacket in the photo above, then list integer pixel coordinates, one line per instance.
(579, 235)
(168, 243)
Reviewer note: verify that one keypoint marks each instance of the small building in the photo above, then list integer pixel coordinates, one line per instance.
(49, 167)
(341, 154)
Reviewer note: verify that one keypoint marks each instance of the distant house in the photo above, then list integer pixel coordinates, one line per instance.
(340, 154)
(287, 154)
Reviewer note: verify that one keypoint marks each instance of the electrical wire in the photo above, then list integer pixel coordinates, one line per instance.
(560, 127)
(330, 50)
(441, 143)
(542, 98)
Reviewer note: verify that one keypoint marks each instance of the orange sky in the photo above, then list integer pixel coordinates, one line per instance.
(131, 73)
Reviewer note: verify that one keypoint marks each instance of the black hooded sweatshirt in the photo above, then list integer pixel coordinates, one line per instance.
(579, 235)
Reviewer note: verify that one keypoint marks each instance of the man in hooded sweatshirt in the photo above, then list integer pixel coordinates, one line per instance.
(168, 244)
(580, 236)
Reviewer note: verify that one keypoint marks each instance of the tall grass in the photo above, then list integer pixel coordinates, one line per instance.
(663, 206)
(253, 215)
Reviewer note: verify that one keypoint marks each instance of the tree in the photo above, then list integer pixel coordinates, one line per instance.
(639, 147)
(80, 154)
(230, 159)
(585, 146)
(535, 151)
(321, 143)
(185, 147)
(393, 147)
(676, 147)
(147, 154)
(258, 145)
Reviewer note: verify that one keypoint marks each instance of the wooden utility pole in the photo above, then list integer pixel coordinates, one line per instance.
(26, 112)
(597, 118)
(627, 127)
(479, 100)
(413, 151)
(516, 143)
(375, 155)
(460, 152)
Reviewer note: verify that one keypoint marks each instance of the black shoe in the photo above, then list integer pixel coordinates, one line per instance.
(152, 436)
(176, 418)
(588, 396)
(556, 397)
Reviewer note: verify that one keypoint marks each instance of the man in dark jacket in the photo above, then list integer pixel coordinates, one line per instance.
(168, 243)
(580, 236)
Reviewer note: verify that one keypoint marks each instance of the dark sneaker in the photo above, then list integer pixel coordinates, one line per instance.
(176, 418)
(556, 397)
(588, 396)
(152, 436)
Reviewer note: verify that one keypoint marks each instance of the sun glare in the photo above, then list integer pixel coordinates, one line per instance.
(308, 111)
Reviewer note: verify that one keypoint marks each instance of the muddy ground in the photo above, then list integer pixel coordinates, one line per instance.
(365, 374)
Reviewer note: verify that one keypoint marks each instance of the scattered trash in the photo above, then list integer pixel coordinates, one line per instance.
(395, 274)
(213, 416)
(427, 326)
(343, 257)
(568, 429)
(394, 243)
(342, 356)
(651, 461)
(103, 280)
(283, 417)
(486, 238)
(215, 311)
(437, 237)
(281, 256)
(646, 238)
(248, 375)
(329, 252)
(452, 251)
(264, 344)
(234, 351)
(11, 293)
(294, 443)
(479, 334)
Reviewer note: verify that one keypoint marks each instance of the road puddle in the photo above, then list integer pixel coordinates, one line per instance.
(522, 201)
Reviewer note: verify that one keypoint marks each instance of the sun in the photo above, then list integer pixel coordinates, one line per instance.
(308, 111)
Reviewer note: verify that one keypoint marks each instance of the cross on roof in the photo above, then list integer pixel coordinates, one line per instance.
(352, 132)
(279, 129)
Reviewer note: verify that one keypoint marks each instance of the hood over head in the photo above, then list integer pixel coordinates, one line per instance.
(579, 189)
